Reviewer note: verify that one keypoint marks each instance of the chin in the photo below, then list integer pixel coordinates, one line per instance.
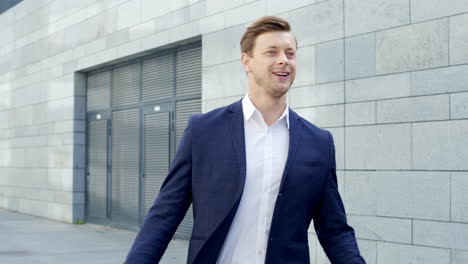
(280, 91)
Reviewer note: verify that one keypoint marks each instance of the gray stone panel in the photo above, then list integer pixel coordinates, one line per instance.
(330, 61)
(156, 40)
(378, 14)
(170, 20)
(4, 119)
(390, 253)
(360, 113)
(410, 109)
(216, 6)
(184, 32)
(380, 87)
(151, 9)
(142, 30)
(414, 194)
(39, 113)
(459, 197)
(278, 6)
(81, 33)
(128, 14)
(459, 257)
(360, 192)
(212, 23)
(318, 23)
(36, 157)
(442, 80)
(324, 116)
(440, 234)
(223, 80)
(458, 105)
(61, 156)
(222, 46)
(117, 38)
(208, 105)
(440, 145)
(196, 10)
(360, 56)
(56, 42)
(245, 13)
(413, 47)
(368, 250)
(321, 94)
(430, 9)
(458, 39)
(381, 228)
(305, 66)
(338, 139)
(61, 109)
(391, 142)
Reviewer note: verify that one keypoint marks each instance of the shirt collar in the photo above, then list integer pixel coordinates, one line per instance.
(249, 109)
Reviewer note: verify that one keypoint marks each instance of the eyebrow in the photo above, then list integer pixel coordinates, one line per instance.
(275, 47)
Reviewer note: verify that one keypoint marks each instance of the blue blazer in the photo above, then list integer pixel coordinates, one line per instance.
(209, 171)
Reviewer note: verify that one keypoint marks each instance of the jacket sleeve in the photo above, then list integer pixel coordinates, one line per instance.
(335, 235)
(169, 208)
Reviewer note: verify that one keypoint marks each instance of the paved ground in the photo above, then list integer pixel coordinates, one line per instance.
(30, 239)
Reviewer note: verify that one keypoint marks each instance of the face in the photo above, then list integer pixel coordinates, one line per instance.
(272, 66)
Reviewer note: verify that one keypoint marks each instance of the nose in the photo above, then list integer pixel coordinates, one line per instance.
(282, 58)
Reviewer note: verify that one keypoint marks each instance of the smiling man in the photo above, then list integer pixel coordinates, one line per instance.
(256, 172)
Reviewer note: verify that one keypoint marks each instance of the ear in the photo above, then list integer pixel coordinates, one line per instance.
(245, 60)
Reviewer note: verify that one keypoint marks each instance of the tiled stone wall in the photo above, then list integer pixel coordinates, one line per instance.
(389, 79)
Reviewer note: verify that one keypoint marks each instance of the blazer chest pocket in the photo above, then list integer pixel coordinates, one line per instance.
(312, 163)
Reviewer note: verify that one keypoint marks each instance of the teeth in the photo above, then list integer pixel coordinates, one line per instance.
(281, 74)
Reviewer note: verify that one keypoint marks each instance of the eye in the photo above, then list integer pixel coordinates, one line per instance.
(271, 52)
(291, 54)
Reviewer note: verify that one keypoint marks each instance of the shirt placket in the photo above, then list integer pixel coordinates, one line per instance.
(264, 197)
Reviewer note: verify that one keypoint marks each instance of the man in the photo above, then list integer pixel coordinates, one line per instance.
(256, 172)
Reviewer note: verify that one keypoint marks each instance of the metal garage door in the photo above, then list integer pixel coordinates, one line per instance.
(137, 112)
(156, 154)
(98, 146)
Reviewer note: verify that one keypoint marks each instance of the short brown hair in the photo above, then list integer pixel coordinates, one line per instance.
(260, 26)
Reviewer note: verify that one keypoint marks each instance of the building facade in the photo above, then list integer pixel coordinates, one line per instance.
(94, 95)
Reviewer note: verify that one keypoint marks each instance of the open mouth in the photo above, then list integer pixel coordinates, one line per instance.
(282, 75)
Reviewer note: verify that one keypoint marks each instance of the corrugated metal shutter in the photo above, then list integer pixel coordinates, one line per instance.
(99, 86)
(120, 93)
(183, 111)
(158, 78)
(125, 167)
(188, 72)
(97, 168)
(126, 85)
(156, 155)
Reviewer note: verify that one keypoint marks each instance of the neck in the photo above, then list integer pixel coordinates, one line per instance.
(271, 107)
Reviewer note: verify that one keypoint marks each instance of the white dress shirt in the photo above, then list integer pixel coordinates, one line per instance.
(266, 149)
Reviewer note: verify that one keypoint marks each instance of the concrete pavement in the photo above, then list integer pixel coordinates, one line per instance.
(30, 239)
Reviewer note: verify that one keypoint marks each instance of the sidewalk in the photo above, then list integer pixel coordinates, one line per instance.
(30, 239)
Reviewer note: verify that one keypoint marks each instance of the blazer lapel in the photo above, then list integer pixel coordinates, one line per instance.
(236, 124)
(295, 128)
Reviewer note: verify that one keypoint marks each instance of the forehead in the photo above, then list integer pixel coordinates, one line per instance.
(280, 39)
